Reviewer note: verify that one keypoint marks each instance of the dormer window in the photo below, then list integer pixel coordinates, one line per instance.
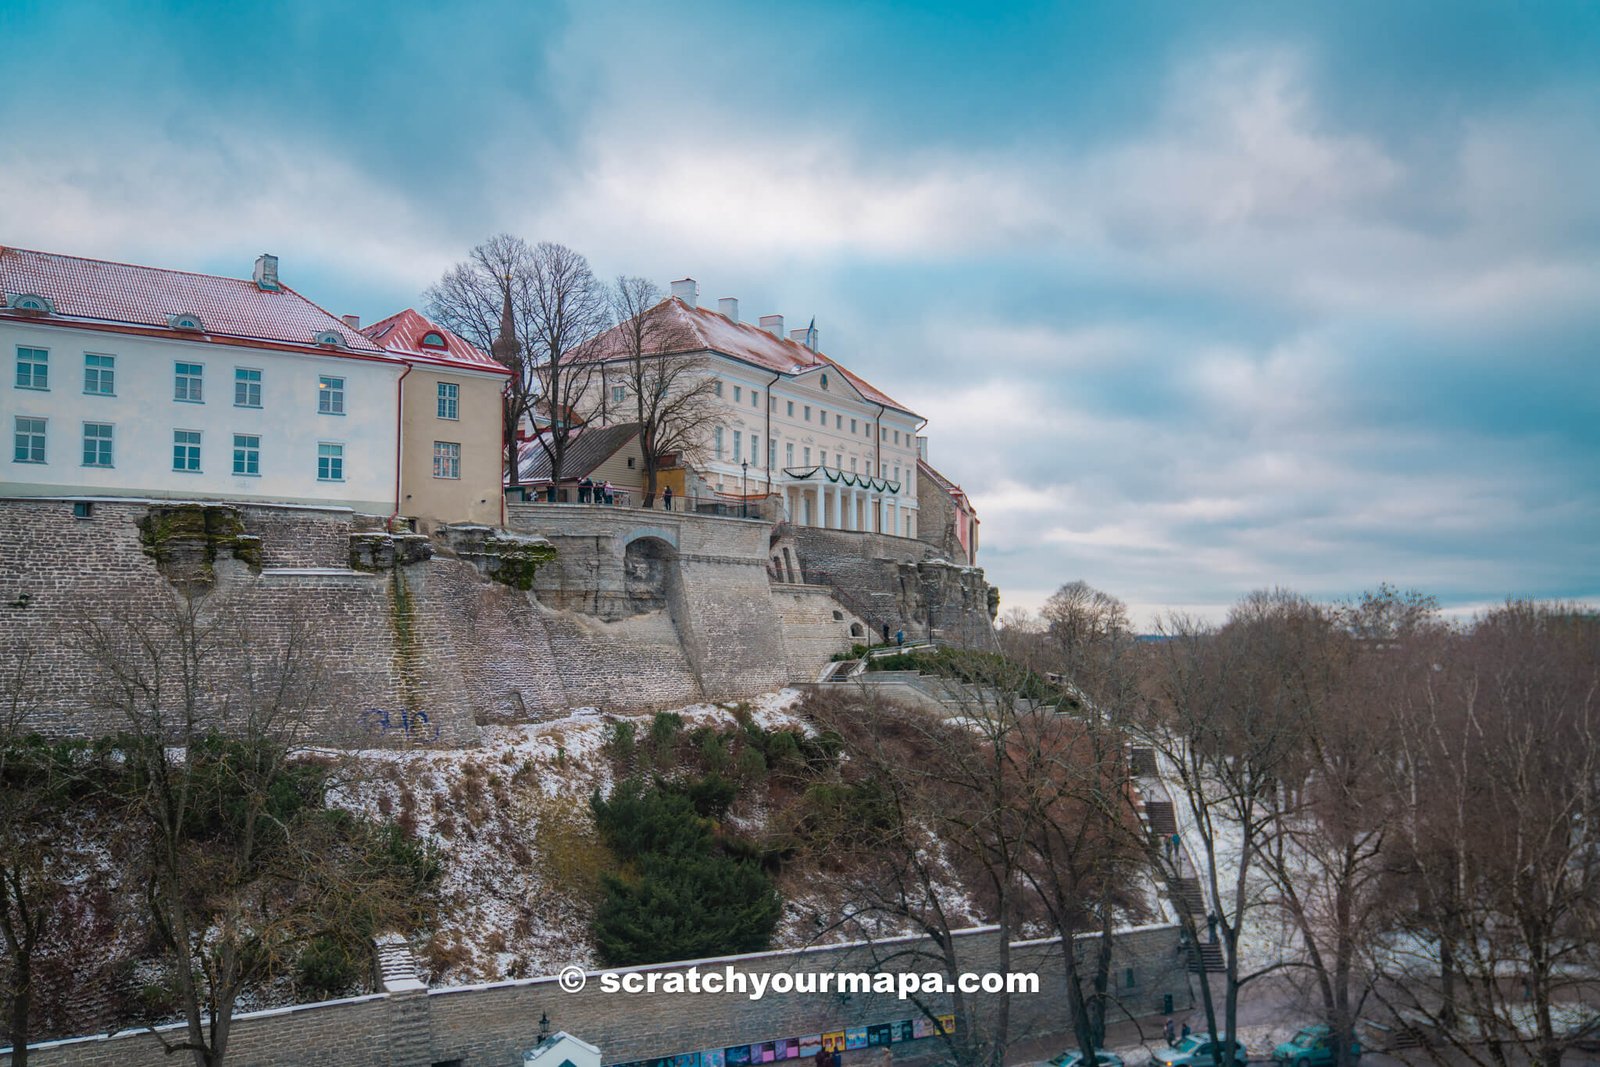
(185, 321)
(824, 381)
(433, 339)
(39, 305)
(330, 339)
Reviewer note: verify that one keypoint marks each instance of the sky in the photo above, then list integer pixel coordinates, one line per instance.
(1198, 299)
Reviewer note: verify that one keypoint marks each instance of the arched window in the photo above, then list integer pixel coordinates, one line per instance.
(433, 339)
(185, 321)
(824, 381)
(32, 302)
(330, 338)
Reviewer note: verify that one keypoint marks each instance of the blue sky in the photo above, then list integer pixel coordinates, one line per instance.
(1197, 298)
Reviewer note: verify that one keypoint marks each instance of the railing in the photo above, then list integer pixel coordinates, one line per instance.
(768, 509)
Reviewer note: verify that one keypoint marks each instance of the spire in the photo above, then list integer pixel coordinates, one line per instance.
(505, 345)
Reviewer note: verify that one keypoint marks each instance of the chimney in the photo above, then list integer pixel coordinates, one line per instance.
(798, 335)
(266, 274)
(773, 324)
(729, 306)
(687, 290)
(352, 321)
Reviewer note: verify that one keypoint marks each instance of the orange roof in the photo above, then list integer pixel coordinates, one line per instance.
(401, 335)
(100, 294)
(705, 330)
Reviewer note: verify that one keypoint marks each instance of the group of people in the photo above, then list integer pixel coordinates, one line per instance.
(589, 492)
(1172, 1033)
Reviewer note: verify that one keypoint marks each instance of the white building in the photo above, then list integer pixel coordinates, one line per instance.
(791, 421)
(136, 381)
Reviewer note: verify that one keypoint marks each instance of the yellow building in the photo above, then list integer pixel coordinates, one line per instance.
(451, 412)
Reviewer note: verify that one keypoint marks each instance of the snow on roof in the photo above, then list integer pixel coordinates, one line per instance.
(701, 329)
(100, 294)
(587, 449)
(401, 334)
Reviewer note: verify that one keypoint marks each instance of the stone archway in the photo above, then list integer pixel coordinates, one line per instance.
(646, 573)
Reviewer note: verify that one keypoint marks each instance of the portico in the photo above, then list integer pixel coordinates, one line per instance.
(841, 500)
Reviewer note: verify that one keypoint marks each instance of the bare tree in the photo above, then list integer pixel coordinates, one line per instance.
(486, 299)
(569, 309)
(670, 395)
(1499, 772)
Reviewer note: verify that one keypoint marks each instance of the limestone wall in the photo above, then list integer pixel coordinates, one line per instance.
(815, 626)
(493, 1024)
(896, 581)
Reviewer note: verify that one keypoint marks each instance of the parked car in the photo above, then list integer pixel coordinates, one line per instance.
(1312, 1047)
(1200, 1050)
(1074, 1058)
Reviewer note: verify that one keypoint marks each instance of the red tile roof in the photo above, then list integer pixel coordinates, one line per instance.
(401, 335)
(98, 294)
(702, 329)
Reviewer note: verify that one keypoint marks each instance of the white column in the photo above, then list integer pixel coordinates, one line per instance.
(894, 512)
(830, 509)
(848, 498)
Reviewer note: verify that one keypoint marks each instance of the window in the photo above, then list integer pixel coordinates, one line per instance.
(807, 460)
(824, 382)
(738, 395)
(897, 437)
(30, 440)
(883, 433)
(852, 464)
(737, 441)
(100, 375)
(330, 462)
(33, 368)
(246, 388)
(772, 402)
(186, 450)
(772, 452)
(446, 459)
(755, 399)
(791, 408)
(186, 383)
(330, 396)
(449, 400)
(82, 509)
(852, 425)
(717, 435)
(808, 412)
(97, 444)
(838, 422)
(433, 339)
(247, 454)
(619, 393)
(755, 448)
(716, 386)
(788, 454)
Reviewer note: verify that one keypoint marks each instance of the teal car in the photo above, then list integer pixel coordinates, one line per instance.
(1311, 1047)
(1074, 1058)
(1201, 1050)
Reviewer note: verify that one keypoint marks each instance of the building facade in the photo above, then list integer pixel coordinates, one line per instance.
(788, 422)
(133, 381)
(451, 407)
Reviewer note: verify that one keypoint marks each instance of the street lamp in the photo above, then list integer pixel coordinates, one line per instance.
(744, 495)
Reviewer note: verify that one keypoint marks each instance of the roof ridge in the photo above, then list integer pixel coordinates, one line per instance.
(141, 266)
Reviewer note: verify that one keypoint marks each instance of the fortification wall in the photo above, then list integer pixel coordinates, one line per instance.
(493, 1024)
(896, 582)
(815, 626)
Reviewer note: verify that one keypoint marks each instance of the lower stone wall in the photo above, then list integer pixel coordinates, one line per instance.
(815, 626)
(895, 582)
(491, 1025)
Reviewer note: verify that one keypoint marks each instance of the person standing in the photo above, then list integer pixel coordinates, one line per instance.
(1211, 928)
(666, 498)
(900, 638)
(824, 1058)
(1170, 1031)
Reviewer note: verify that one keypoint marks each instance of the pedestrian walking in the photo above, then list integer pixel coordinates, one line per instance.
(1211, 928)
(1171, 1032)
(900, 638)
(1186, 1028)
(886, 633)
(666, 498)
(1172, 847)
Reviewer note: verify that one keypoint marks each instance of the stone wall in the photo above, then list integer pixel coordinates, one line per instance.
(492, 1024)
(815, 626)
(898, 582)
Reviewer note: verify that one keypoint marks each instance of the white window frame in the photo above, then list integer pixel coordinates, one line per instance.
(188, 382)
(250, 386)
(330, 395)
(38, 364)
(447, 460)
(244, 453)
(448, 404)
(197, 454)
(104, 445)
(105, 375)
(335, 461)
(38, 427)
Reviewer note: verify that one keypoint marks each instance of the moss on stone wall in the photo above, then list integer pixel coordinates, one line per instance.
(185, 540)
